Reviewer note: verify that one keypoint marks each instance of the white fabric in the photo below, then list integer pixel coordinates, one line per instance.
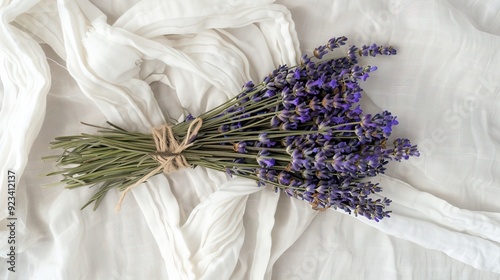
(140, 63)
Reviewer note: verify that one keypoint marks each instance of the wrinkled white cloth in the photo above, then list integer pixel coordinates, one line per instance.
(139, 64)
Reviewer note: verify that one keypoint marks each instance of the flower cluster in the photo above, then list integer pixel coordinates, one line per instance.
(302, 131)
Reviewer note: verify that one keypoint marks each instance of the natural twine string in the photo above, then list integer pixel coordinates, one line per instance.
(168, 153)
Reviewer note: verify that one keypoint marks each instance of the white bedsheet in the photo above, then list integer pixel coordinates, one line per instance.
(140, 63)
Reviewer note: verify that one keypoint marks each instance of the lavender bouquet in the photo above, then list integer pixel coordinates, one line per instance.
(300, 131)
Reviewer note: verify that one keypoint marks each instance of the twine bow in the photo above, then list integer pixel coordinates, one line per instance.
(168, 153)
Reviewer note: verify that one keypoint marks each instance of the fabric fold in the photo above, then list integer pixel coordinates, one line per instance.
(161, 60)
(26, 80)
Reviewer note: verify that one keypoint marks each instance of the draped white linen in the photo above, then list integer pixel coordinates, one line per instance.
(141, 63)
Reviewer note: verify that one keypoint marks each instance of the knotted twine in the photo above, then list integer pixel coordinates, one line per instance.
(168, 153)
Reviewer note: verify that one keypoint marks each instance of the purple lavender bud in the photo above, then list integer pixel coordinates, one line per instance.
(290, 102)
(327, 101)
(352, 97)
(340, 103)
(364, 73)
(288, 141)
(304, 60)
(315, 105)
(284, 115)
(364, 134)
(322, 188)
(269, 93)
(264, 140)
(320, 51)
(261, 173)
(308, 196)
(271, 86)
(289, 192)
(299, 73)
(296, 182)
(266, 162)
(364, 51)
(284, 178)
(298, 164)
(235, 109)
(341, 40)
(243, 99)
(311, 68)
(322, 140)
(240, 147)
(351, 85)
(334, 43)
(303, 110)
(323, 175)
(412, 151)
(299, 90)
(298, 161)
(354, 114)
(366, 121)
(316, 83)
(307, 174)
(338, 119)
(373, 161)
(248, 87)
(367, 188)
(351, 53)
(333, 83)
(319, 160)
(374, 50)
(264, 159)
(290, 78)
(328, 149)
(275, 121)
(324, 125)
(326, 68)
(235, 126)
(257, 97)
(280, 80)
(388, 51)
(319, 118)
(357, 71)
(338, 162)
(344, 72)
(223, 128)
(288, 126)
(310, 188)
(188, 118)
(403, 149)
(386, 201)
(271, 175)
(286, 92)
(239, 160)
(388, 118)
(385, 121)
